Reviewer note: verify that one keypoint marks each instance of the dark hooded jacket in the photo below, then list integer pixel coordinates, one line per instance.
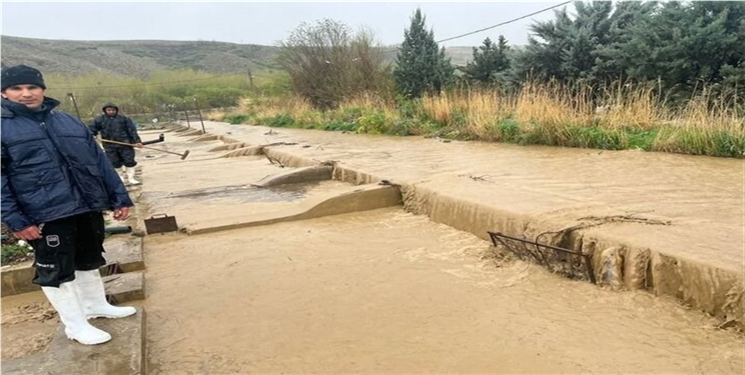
(52, 168)
(115, 128)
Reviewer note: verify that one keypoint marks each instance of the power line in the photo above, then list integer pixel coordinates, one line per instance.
(145, 84)
(503, 23)
(393, 50)
(493, 26)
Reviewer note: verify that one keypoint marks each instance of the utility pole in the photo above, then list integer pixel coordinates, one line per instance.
(196, 105)
(75, 104)
(186, 114)
(250, 77)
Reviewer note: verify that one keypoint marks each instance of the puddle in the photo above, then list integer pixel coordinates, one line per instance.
(249, 193)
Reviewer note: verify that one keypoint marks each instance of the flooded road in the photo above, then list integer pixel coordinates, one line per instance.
(395, 290)
(386, 291)
(670, 224)
(391, 291)
(702, 197)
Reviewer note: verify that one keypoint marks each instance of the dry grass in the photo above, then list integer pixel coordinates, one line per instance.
(216, 115)
(621, 116)
(270, 106)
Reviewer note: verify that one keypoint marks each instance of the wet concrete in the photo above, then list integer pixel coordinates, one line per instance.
(33, 343)
(208, 194)
(30, 324)
(298, 175)
(123, 355)
(388, 291)
(335, 202)
(697, 256)
(123, 250)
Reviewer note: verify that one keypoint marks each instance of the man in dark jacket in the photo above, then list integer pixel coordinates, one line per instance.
(114, 126)
(56, 182)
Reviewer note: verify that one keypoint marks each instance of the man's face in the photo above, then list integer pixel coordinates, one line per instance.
(31, 96)
(110, 111)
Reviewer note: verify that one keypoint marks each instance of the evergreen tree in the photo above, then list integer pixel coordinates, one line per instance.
(582, 47)
(420, 66)
(489, 61)
(610, 62)
(686, 46)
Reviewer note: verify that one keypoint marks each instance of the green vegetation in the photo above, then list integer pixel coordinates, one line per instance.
(610, 76)
(537, 115)
(628, 75)
(326, 63)
(161, 89)
(15, 253)
(421, 66)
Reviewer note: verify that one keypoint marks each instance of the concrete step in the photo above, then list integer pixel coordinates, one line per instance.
(126, 250)
(123, 287)
(124, 354)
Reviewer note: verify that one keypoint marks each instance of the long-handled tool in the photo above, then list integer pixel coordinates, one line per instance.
(183, 156)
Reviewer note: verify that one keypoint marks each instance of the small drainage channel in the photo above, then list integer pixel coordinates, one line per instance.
(249, 193)
(292, 193)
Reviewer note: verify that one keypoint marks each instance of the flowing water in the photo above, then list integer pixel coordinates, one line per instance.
(390, 291)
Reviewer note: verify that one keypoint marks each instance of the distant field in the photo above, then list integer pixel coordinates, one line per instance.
(138, 58)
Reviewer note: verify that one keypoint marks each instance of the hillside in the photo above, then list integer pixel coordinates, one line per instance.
(140, 57)
(134, 58)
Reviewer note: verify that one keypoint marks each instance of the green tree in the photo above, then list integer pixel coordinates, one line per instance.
(584, 47)
(420, 65)
(489, 61)
(687, 46)
(610, 62)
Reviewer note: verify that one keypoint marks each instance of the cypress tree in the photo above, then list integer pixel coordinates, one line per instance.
(420, 66)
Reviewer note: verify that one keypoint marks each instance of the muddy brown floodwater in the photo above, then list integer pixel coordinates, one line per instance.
(396, 290)
(386, 291)
(389, 291)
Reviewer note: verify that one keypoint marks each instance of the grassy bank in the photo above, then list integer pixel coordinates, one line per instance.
(546, 114)
(154, 94)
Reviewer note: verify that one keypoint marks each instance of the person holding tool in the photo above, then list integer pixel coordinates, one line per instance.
(116, 127)
(56, 183)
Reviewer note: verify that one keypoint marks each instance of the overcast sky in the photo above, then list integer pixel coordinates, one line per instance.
(261, 22)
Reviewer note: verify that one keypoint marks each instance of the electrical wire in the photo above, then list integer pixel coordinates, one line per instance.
(492, 26)
(392, 50)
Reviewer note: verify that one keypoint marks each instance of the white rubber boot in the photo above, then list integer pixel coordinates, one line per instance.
(123, 175)
(65, 300)
(131, 176)
(92, 296)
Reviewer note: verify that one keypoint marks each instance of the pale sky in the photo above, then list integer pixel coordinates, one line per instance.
(262, 22)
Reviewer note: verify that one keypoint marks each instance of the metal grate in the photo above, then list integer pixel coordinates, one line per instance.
(557, 259)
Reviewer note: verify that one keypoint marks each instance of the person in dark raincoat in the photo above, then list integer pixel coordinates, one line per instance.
(56, 183)
(114, 126)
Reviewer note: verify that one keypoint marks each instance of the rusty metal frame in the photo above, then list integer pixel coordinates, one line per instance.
(538, 251)
(161, 223)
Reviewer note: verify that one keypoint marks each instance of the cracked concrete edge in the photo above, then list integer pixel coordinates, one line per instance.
(361, 199)
(707, 288)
